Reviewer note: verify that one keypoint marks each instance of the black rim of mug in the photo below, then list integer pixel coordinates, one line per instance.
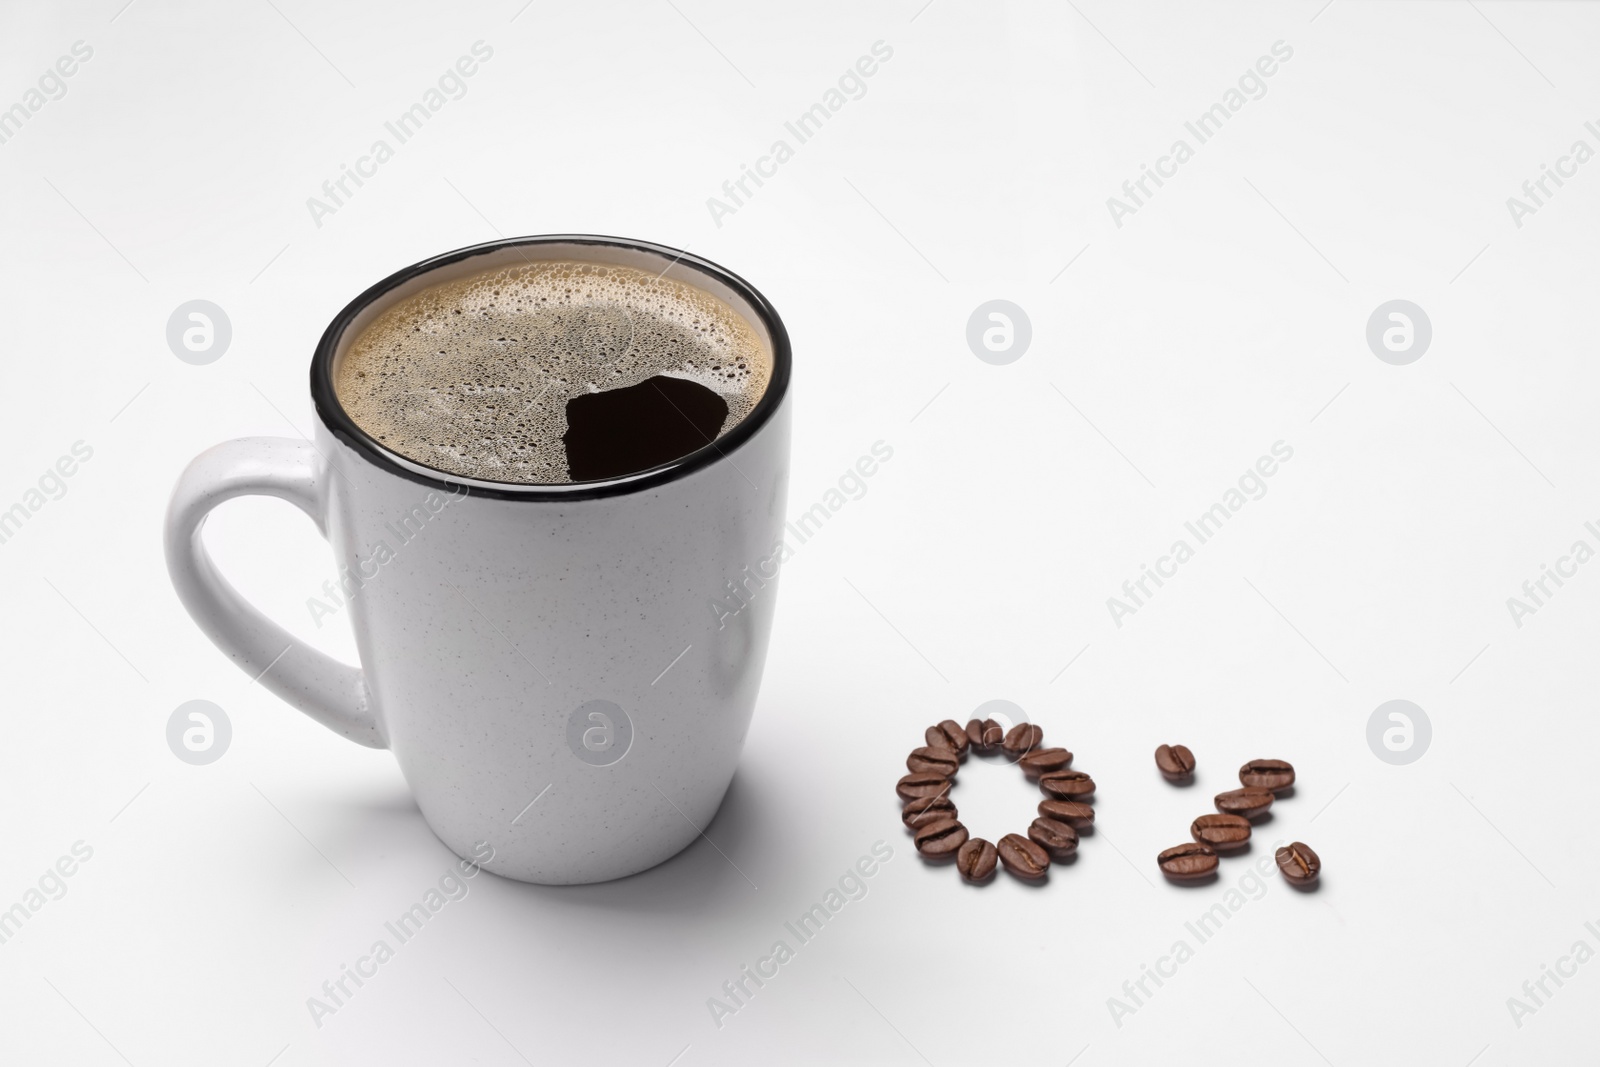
(344, 428)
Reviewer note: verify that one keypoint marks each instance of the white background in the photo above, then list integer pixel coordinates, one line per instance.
(1227, 314)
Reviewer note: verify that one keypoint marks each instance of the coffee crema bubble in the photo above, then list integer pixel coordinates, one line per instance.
(553, 372)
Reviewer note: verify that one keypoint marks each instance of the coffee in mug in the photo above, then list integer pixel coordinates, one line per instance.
(547, 460)
(553, 371)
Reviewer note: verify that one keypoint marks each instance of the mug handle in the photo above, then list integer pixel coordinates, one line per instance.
(333, 693)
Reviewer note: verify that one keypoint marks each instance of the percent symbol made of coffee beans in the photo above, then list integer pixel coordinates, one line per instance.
(935, 825)
(1261, 781)
(934, 822)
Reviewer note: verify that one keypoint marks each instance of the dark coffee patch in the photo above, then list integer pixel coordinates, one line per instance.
(625, 431)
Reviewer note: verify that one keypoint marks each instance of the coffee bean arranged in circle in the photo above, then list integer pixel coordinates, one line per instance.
(1188, 862)
(1058, 837)
(1041, 760)
(1074, 813)
(937, 802)
(916, 820)
(976, 859)
(922, 784)
(1249, 802)
(1068, 785)
(933, 760)
(1224, 833)
(1023, 737)
(1273, 774)
(975, 736)
(948, 734)
(940, 838)
(1300, 865)
(1022, 857)
(1175, 762)
(931, 816)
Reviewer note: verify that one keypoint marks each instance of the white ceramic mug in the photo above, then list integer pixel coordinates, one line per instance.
(554, 666)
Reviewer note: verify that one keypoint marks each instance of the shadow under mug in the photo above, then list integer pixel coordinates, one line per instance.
(562, 671)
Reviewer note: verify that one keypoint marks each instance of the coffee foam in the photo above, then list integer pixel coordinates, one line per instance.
(472, 376)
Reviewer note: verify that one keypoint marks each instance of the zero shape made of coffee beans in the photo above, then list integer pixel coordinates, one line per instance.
(1249, 802)
(1022, 857)
(940, 838)
(1068, 785)
(1274, 774)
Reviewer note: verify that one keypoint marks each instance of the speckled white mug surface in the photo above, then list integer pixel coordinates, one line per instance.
(552, 665)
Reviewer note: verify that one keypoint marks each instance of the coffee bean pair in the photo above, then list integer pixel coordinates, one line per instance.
(1261, 780)
(932, 818)
(1021, 856)
(1176, 764)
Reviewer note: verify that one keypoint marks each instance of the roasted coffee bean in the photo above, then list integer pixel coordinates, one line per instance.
(1188, 862)
(937, 802)
(994, 734)
(1273, 774)
(916, 820)
(1225, 833)
(1300, 865)
(1251, 803)
(976, 859)
(1022, 857)
(1041, 760)
(922, 784)
(940, 838)
(1074, 813)
(934, 760)
(975, 736)
(1059, 838)
(1023, 737)
(957, 735)
(948, 734)
(1175, 762)
(1067, 785)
